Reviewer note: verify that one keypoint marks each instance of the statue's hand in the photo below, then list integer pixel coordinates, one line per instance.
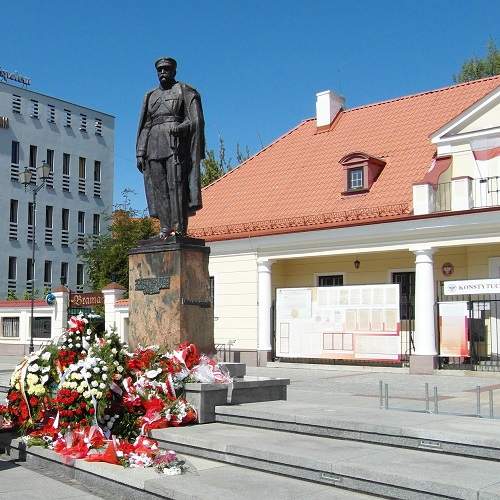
(140, 163)
(179, 130)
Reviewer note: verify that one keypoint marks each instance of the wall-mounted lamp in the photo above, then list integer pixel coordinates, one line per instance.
(357, 264)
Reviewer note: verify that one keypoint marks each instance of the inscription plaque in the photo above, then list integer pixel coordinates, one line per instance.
(151, 286)
(200, 303)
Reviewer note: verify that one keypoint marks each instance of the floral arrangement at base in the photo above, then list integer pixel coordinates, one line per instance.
(87, 397)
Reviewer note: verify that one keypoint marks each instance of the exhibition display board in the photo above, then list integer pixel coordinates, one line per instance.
(344, 322)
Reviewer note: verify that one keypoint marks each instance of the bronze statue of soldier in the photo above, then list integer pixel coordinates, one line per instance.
(170, 148)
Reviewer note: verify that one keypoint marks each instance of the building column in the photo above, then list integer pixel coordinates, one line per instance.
(265, 303)
(424, 358)
(112, 293)
(60, 323)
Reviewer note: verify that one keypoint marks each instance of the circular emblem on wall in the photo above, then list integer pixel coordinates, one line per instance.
(50, 299)
(447, 269)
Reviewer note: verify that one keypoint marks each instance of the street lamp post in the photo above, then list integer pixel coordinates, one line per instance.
(25, 179)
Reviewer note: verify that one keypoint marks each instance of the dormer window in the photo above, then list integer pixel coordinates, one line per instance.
(355, 179)
(360, 172)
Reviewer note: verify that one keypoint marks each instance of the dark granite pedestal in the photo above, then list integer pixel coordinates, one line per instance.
(169, 294)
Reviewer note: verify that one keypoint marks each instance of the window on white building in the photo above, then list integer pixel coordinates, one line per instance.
(64, 273)
(16, 104)
(67, 118)
(83, 123)
(79, 278)
(12, 276)
(34, 109)
(51, 113)
(96, 226)
(66, 171)
(14, 210)
(10, 327)
(98, 126)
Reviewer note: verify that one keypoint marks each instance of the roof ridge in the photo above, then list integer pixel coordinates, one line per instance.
(427, 92)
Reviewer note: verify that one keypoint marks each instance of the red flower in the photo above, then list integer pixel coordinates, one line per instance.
(33, 401)
(13, 396)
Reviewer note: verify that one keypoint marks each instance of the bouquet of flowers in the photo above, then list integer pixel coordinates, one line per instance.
(85, 396)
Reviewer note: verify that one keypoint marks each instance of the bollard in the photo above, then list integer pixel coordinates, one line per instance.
(386, 396)
(427, 397)
(381, 394)
(491, 403)
(478, 399)
(436, 410)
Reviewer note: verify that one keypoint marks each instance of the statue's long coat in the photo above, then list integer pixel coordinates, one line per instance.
(194, 114)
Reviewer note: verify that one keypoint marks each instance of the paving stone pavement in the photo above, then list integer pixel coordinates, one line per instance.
(457, 393)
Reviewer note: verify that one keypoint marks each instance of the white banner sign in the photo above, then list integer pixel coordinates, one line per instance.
(472, 287)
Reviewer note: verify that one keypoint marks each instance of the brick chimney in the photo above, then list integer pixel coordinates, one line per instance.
(328, 105)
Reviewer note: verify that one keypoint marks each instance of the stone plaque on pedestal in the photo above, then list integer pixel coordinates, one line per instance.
(169, 294)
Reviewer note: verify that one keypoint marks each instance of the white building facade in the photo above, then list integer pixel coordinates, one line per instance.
(78, 144)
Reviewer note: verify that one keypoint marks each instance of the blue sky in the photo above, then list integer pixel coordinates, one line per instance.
(257, 64)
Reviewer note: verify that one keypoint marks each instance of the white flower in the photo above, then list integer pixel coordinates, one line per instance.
(45, 356)
(104, 368)
(39, 390)
(86, 394)
(94, 391)
(98, 395)
(33, 368)
(94, 383)
(152, 373)
(104, 376)
(119, 368)
(114, 351)
(102, 386)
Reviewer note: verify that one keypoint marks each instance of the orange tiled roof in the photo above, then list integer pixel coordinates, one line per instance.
(22, 303)
(296, 183)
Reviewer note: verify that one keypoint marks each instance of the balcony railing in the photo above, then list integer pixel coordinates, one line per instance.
(460, 194)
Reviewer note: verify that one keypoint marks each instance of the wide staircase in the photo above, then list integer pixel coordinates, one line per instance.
(279, 450)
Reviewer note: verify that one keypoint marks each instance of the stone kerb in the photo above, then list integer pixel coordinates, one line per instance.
(206, 396)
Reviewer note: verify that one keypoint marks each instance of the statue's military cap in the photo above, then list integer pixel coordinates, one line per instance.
(166, 61)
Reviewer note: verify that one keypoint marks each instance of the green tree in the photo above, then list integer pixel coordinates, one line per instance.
(476, 68)
(213, 168)
(105, 256)
(11, 295)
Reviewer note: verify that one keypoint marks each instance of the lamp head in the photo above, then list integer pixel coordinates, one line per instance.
(25, 177)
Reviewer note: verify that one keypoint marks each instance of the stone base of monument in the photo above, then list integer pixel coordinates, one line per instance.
(169, 294)
(205, 397)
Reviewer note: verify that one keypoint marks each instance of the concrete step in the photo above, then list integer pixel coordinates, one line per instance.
(364, 467)
(205, 480)
(450, 434)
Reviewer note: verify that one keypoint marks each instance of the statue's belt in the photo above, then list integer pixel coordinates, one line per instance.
(166, 119)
